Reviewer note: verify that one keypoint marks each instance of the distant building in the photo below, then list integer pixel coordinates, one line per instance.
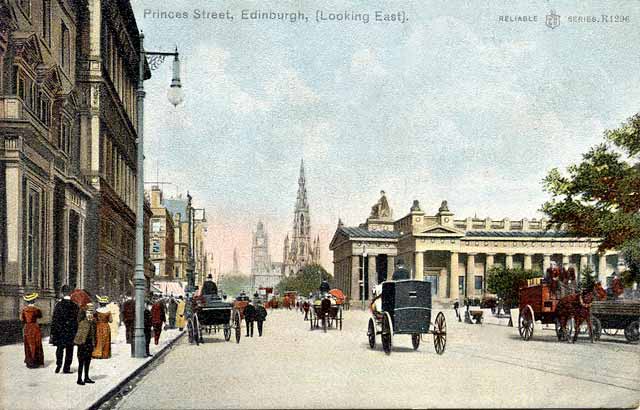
(299, 251)
(264, 273)
(162, 233)
(453, 254)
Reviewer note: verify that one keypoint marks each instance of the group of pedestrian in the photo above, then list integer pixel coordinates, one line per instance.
(255, 312)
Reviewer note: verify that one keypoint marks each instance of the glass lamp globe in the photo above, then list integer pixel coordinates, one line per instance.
(175, 95)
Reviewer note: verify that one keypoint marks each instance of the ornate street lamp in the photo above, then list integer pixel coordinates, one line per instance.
(175, 98)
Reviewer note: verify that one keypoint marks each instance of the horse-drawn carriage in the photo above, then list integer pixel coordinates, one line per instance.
(538, 302)
(241, 302)
(404, 307)
(325, 312)
(611, 316)
(211, 312)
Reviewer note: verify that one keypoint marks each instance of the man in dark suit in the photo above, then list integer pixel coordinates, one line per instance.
(249, 318)
(261, 316)
(209, 286)
(64, 325)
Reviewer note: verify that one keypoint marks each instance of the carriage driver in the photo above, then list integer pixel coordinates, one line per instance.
(324, 287)
(400, 273)
(209, 287)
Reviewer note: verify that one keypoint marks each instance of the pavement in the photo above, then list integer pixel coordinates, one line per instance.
(483, 366)
(23, 388)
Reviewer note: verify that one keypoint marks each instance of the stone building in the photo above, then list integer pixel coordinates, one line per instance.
(264, 273)
(453, 254)
(161, 237)
(44, 195)
(299, 251)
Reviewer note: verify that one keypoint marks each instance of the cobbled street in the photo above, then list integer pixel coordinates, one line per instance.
(483, 366)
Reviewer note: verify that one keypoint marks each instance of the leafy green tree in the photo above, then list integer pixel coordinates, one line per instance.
(232, 285)
(505, 283)
(631, 253)
(588, 278)
(305, 281)
(600, 197)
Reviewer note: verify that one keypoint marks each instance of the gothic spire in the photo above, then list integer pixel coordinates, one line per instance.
(302, 190)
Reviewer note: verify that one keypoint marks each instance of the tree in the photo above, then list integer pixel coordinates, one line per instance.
(505, 283)
(588, 278)
(306, 280)
(232, 285)
(600, 197)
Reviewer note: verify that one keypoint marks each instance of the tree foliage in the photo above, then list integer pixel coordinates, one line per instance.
(232, 285)
(600, 196)
(305, 281)
(505, 282)
(588, 278)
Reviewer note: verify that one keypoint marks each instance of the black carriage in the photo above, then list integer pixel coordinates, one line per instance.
(325, 313)
(212, 313)
(611, 316)
(405, 308)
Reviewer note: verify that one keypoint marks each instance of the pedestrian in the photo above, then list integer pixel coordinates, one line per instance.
(173, 308)
(102, 347)
(64, 325)
(129, 319)
(249, 318)
(305, 307)
(158, 317)
(147, 326)
(85, 339)
(114, 309)
(180, 319)
(261, 316)
(456, 306)
(33, 352)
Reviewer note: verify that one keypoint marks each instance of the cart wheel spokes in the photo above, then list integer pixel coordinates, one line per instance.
(190, 331)
(371, 333)
(632, 332)
(440, 333)
(340, 320)
(227, 332)
(386, 333)
(526, 320)
(198, 329)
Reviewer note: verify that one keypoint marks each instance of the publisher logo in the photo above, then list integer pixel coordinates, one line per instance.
(553, 20)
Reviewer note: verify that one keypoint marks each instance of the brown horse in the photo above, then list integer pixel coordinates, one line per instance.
(578, 306)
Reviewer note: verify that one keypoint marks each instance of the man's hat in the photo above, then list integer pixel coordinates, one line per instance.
(30, 297)
(102, 299)
(65, 289)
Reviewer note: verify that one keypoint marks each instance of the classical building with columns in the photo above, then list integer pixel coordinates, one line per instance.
(453, 254)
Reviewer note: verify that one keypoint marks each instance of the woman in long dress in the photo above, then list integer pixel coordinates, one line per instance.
(180, 319)
(102, 349)
(33, 352)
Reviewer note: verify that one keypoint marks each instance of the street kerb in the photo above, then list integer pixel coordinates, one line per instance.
(112, 392)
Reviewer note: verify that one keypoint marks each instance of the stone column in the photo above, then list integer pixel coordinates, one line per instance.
(508, 261)
(442, 284)
(471, 270)
(80, 279)
(453, 275)
(602, 268)
(391, 266)
(584, 261)
(373, 275)
(566, 260)
(355, 279)
(489, 261)
(15, 224)
(546, 261)
(65, 243)
(527, 261)
(419, 265)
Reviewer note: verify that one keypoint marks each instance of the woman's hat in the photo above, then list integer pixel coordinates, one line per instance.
(30, 297)
(102, 299)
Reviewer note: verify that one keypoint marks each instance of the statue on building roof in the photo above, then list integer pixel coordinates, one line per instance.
(444, 207)
(381, 209)
(416, 206)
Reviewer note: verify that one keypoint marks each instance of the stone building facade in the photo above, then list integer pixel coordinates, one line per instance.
(44, 196)
(299, 251)
(453, 254)
(264, 273)
(161, 237)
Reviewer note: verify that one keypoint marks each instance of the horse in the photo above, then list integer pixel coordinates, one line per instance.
(578, 306)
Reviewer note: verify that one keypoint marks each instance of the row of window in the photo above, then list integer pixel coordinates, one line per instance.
(116, 68)
(65, 37)
(116, 238)
(117, 172)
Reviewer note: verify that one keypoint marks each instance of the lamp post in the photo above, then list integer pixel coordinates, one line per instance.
(175, 98)
(364, 258)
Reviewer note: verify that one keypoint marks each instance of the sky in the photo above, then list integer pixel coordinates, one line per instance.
(453, 104)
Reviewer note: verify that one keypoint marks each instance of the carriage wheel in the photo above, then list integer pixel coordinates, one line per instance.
(526, 319)
(386, 333)
(190, 331)
(440, 333)
(371, 333)
(325, 319)
(415, 340)
(227, 332)
(340, 320)
(237, 322)
(632, 332)
(198, 329)
(596, 328)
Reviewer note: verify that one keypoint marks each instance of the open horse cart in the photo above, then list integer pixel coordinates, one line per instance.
(326, 313)
(611, 316)
(404, 307)
(210, 312)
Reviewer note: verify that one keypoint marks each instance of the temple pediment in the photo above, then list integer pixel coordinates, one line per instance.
(440, 230)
